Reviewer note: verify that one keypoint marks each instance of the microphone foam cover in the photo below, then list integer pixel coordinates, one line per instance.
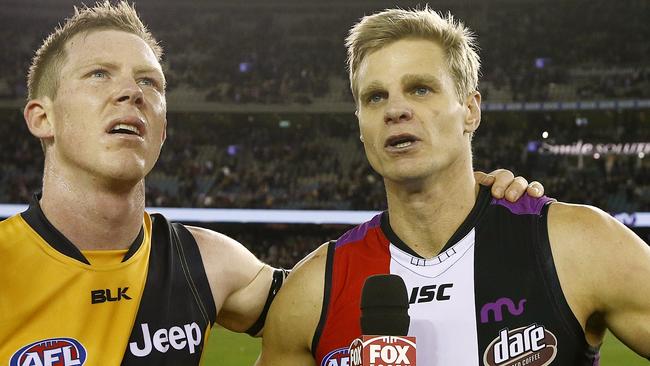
(384, 306)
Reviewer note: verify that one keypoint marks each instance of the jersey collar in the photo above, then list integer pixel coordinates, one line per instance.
(35, 217)
(482, 202)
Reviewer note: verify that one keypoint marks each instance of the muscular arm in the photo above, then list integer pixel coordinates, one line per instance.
(604, 271)
(294, 315)
(238, 280)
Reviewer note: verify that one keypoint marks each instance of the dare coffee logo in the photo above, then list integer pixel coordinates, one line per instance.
(526, 346)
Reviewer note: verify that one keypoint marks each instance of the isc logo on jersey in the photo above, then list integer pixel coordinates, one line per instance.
(50, 352)
(531, 346)
(338, 357)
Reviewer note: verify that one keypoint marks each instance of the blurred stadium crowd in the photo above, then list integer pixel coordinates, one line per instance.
(291, 53)
(316, 161)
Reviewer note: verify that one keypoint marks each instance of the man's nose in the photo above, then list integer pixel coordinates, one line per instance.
(398, 110)
(130, 92)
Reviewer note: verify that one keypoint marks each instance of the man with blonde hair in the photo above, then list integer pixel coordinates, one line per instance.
(489, 282)
(89, 277)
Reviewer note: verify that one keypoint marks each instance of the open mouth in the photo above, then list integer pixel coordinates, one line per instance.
(127, 125)
(400, 141)
(125, 129)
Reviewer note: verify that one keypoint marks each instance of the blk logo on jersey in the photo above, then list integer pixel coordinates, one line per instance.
(50, 352)
(429, 293)
(189, 336)
(532, 346)
(497, 309)
(103, 295)
(337, 357)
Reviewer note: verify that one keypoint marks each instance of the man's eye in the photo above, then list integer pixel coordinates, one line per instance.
(375, 98)
(99, 74)
(421, 90)
(147, 82)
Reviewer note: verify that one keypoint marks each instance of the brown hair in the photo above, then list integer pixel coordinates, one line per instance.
(43, 76)
(378, 30)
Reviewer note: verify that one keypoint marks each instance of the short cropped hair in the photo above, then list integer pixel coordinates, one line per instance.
(44, 72)
(375, 31)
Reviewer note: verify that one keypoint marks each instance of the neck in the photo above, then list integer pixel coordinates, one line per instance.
(90, 215)
(425, 215)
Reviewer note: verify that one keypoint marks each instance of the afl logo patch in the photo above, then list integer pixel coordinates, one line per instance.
(50, 352)
(338, 357)
(532, 345)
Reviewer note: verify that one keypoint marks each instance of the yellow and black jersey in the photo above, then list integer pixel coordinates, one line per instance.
(59, 306)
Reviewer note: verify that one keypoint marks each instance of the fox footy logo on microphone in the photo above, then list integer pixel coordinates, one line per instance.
(383, 351)
(50, 352)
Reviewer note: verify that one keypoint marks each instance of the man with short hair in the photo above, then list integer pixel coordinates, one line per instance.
(489, 282)
(89, 277)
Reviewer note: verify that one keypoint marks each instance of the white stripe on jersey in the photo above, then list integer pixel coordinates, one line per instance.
(445, 330)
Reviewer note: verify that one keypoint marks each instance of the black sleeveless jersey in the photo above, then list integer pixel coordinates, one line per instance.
(491, 297)
(177, 309)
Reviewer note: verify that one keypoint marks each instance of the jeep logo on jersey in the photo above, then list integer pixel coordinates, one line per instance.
(338, 357)
(50, 352)
(178, 338)
(429, 293)
(103, 295)
(532, 345)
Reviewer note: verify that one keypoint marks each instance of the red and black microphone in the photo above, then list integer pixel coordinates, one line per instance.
(384, 325)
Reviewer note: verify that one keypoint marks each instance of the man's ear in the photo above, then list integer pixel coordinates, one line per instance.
(356, 114)
(473, 117)
(164, 134)
(38, 119)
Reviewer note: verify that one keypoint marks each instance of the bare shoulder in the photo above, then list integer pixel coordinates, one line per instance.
(212, 240)
(295, 313)
(603, 269)
(300, 300)
(224, 254)
(593, 242)
(312, 263)
(229, 265)
(589, 231)
(580, 219)
(576, 234)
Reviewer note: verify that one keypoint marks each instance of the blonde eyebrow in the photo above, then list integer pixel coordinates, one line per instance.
(151, 70)
(93, 63)
(428, 79)
(374, 86)
(407, 80)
